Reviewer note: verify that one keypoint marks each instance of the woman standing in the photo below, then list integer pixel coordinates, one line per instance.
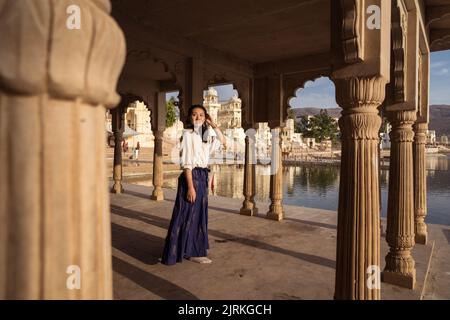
(187, 236)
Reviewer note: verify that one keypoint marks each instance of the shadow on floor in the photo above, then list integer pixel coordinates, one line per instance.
(447, 234)
(313, 223)
(152, 283)
(142, 246)
(170, 199)
(164, 223)
(146, 196)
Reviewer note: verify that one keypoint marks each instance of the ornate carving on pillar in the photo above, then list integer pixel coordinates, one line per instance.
(352, 30)
(276, 211)
(249, 206)
(54, 202)
(358, 231)
(420, 183)
(399, 56)
(399, 268)
(158, 193)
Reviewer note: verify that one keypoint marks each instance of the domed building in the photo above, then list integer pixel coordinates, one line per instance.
(228, 116)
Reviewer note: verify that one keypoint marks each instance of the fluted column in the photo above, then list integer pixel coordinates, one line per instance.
(400, 268)
(117, 127)
(420, 183)
(158, 193)
(276, 179)
(358, 229)
(249, 206)
(54, 202)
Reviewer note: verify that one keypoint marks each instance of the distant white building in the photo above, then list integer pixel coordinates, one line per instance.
(290, 140)
(137, 119)
(385, 141)
(310, 142)
(431, 137)
(174, 132)
(228, 116)
(444, 140)
(263, 140)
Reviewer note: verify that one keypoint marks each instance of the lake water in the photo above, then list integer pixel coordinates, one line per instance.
(318, 186)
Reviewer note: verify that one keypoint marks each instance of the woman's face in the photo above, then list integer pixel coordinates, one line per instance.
(198, 117)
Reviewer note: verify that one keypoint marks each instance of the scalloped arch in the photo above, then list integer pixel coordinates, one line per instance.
(302, 86)
(145, 54)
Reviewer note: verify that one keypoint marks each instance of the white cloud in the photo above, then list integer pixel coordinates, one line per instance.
(438, 64)
(313, 100)
(442, 72)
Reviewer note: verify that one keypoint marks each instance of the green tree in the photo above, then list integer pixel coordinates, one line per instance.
(323, 127)
(291, 114)
(171, 116)
(302, 127)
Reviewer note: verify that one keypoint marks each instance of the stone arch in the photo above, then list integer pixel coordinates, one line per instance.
(306, 86)
(243, 87)
(434, 15)
(126, 98)
(293, 84)
(440, 43)
(145, 55)
(229, 115)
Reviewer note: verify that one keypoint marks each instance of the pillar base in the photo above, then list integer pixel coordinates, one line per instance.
(248, 211)
(117, 188)
(421, 238)
(157, 196)
(275, 215)
(402, 280)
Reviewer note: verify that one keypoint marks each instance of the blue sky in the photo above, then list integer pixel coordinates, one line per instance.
(320, 93)
(440, 77)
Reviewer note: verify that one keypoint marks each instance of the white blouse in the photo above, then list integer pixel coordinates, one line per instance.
(196, 153)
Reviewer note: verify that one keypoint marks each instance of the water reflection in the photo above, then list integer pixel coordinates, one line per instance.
(318, 186)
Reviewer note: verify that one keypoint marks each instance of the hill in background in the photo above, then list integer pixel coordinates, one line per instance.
(439, 117)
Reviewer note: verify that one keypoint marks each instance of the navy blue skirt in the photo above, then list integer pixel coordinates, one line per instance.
(188, 231)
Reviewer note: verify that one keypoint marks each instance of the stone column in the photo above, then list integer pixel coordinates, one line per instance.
(249, 206)
(117, 127)
(420, 183)
(358, 229)
(54, 202)
(158, 193)
(399, 268)
(276, 179)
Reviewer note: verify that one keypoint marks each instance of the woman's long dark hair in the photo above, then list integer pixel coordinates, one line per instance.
(190, 125)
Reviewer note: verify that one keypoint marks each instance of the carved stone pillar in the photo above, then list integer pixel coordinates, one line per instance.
(420, 183)
(358, 229)
(399, 268)
(249, 206)
(158, 193)
(54, 203)
(276, 179)
(117, 127)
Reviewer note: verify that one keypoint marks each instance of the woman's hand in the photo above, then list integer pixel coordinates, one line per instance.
(191, 195)
(210, 122)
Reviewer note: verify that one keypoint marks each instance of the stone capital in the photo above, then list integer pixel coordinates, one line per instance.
(40, 54)
(359, 98)
(402, 122)
(420, 133)
(360, 94)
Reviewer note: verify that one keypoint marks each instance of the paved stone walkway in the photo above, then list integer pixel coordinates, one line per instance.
(253, 258)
